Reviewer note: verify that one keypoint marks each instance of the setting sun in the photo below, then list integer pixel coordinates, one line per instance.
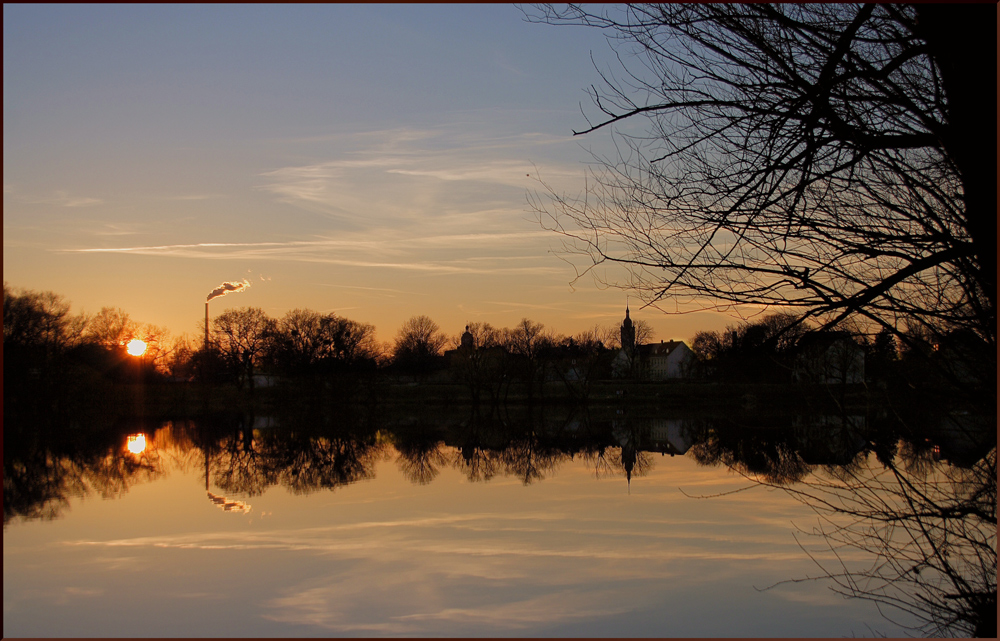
(136, 443)
(136, 347)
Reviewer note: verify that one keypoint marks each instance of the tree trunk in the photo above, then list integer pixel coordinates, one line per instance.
(962, 40)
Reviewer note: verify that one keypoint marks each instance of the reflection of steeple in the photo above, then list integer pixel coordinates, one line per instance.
(628, 461)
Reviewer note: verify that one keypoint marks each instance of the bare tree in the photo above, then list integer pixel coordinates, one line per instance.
(418, 342)
(820, 157)
(40, 319)
(484, 363)
(750, 350)
(242, 337)
(111, 327)
(306, 339)
(525, 342)
(350, 342)
(178, 360)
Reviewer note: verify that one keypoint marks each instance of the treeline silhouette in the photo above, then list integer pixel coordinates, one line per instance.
(53, 357)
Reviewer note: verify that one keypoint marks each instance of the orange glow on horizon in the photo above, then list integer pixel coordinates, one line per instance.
(136, 443)
(136, 347)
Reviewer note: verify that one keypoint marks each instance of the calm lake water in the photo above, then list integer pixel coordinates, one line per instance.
(558, 524)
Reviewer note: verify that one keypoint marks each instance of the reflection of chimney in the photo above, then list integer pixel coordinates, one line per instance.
(206, 324)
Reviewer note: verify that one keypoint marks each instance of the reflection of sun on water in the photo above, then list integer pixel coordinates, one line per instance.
(136, 443)
(136, 347)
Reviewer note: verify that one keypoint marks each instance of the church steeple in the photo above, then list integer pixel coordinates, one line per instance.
(628, 331)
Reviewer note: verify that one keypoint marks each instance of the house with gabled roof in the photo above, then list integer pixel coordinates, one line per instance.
(656, 361)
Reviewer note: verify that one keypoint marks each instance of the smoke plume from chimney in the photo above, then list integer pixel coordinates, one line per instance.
(225, 288)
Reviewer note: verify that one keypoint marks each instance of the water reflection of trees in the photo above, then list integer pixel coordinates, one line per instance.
(920, 502)
(928, 531)
(526, 444)
(46, 465)
(926, 527)
(771, 453)
(303, 453)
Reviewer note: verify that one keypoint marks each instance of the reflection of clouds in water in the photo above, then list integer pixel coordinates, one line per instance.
(119, 563)
(62, 595)
(543, 610)
(527, 535)
(462, 574)
(416, 606)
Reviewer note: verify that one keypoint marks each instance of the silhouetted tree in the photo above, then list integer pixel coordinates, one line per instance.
(241, 336)
(352, 344)
(38, 333)
(580, 360)
(824, 157)
(178, 362)
(484, 364)
(39, 320)
(750, 351)
(309, 342)
(418, 345)
(526, 342)
(111, 328)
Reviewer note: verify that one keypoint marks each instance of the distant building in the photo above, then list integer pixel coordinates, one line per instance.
(628, 332)
(657, 361)
(666, 359)
(468, 343)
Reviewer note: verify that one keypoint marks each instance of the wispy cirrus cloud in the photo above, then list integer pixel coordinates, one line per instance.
(441, 253)
(414, 174)
(60, 199)
(189, 197)
(377, 291)
(503, 172)
(115, 230)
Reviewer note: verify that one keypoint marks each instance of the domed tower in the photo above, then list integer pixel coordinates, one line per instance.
(467, 340)
(628, 332)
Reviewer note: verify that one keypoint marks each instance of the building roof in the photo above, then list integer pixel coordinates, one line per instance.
(663, 348)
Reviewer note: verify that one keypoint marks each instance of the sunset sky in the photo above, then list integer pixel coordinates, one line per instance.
(368, 160)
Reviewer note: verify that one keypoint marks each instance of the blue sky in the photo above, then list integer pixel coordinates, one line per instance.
(368, 160)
